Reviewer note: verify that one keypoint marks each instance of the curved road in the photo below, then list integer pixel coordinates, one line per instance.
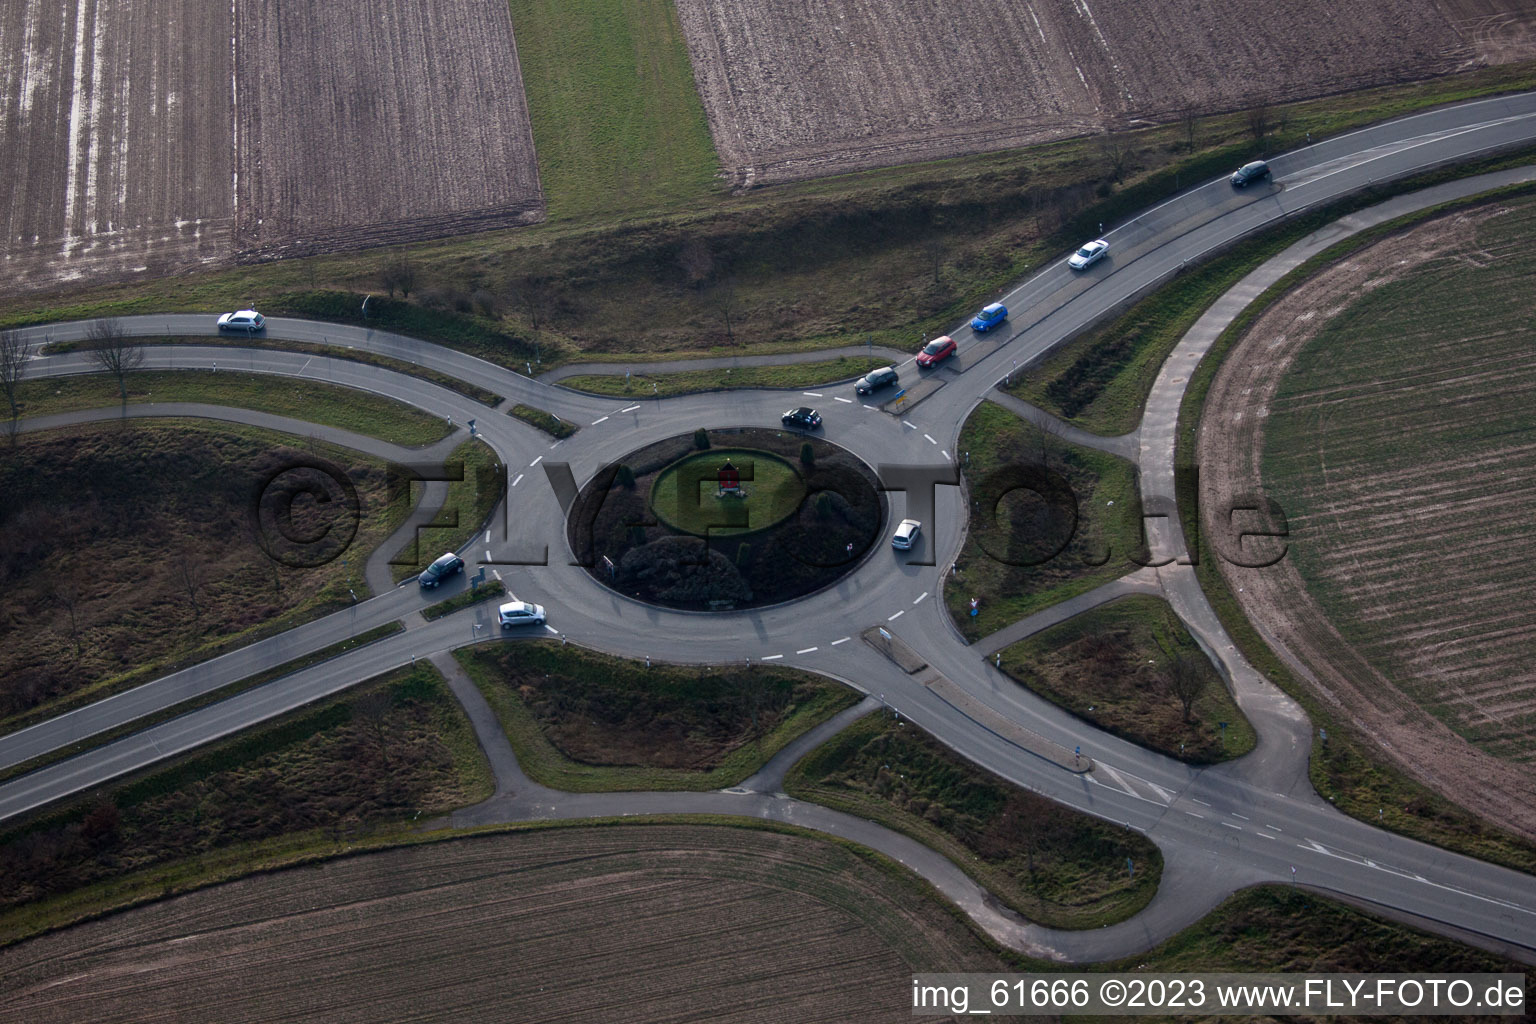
(1220, 828)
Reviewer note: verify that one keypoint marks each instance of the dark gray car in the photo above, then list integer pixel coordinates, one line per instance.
(883, 377)
(441, 569)
(1247, 174)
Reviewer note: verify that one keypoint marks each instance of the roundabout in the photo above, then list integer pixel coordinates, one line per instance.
(1219, 828)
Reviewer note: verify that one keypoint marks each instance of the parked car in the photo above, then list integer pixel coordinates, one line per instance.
(906, 534)
(1088, 255)
(883, 377)
(936, 351)
(804, 416)
(521, 613)
(440, 570)
(247, 320)
(1249, 173)
(989, 318)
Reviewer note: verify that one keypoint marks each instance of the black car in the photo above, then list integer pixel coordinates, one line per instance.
(441, 569)
(804, 416)
(1250, 173)
(880, 378)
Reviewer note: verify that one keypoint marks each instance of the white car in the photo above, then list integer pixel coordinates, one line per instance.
(247, 320)
(521, 613)
(906, 533)
(1088, 255)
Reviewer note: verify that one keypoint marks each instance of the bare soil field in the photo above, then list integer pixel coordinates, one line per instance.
(1387, 405)
(799, 89)
(152, 136)
(649, 923)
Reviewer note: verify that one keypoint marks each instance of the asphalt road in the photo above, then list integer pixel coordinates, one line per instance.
(1219, 828)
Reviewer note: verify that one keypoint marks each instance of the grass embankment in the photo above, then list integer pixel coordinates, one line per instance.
(687, 382)
(484, 396)
(620, 130)
(468, 504)
(352, 643)
(548, 422)
(1086, 507)
(484, 592)
(586, 722)
(356, 765)
(1123, 666)
(781, 263)
(329, 405)
(126, 551)
(1050, 863)
(1100, 380)
(1347, 768)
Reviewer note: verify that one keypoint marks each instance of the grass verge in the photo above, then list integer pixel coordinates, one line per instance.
(1347, 768)
(329, 405)
(469, 503)
(548, 422)
(474, 392)
(458, 601)
(1127, 667)
(1054, 865)
(352, 767)
(586, 722)
(1049, 521)
(352, 643)
(687, 382)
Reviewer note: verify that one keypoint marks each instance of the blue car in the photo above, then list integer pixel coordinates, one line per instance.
(989, 318)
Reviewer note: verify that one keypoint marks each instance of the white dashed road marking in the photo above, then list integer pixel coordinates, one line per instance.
(1192, 814)
(845, 401)
(808, 650)
(487, 554)
(931, 440)
(842, 641)
(552, 629)
(898, 615)
(535, 462)
(907, 424)
(596, 422)
(813, 394)
(518, 480)
(920, 597)
(771, 657)
(496, 573)
(630, 409)
(944, 453)
(1230, 825)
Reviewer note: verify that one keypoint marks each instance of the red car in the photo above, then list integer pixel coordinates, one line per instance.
(936, 350)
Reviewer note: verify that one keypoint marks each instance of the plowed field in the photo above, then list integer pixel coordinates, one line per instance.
(796, 88)
(147, 136)
(1389, 406)
(656, 923)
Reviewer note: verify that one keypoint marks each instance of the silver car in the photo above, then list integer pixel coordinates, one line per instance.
(1088, 255)
(906, 534)
(521, 613)
(247, 320)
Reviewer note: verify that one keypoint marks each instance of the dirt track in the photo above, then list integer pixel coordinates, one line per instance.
(130, 144)
(801, 88)
(645, 923)
(1418, 552)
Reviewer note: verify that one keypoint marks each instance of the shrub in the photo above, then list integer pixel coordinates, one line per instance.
(807, 454)
(701, 439)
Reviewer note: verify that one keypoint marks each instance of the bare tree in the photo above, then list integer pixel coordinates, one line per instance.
(371, 711)
(535, 294)
(14, 352)
(1186, 681)
(114, 351)
(723, 296)
(1260, 120)
(1044, 430)
(399, 273)
(1189, 118)
(1116, 155)
(65, 592)
(933, 255)
(696, 262)
(191, 575)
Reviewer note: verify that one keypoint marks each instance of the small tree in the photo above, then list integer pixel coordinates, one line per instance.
(807, 454)
(535, 295)
(1116, 155)
(1189, 118)
(371, 711)
(191, 574)
(933, 255)
(724, 298)
(1260, 118)
(696, 262)
(399, 273)
(114, 351)
(65, 592)
(701, 439)
(1187, 682)
(13, 366)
